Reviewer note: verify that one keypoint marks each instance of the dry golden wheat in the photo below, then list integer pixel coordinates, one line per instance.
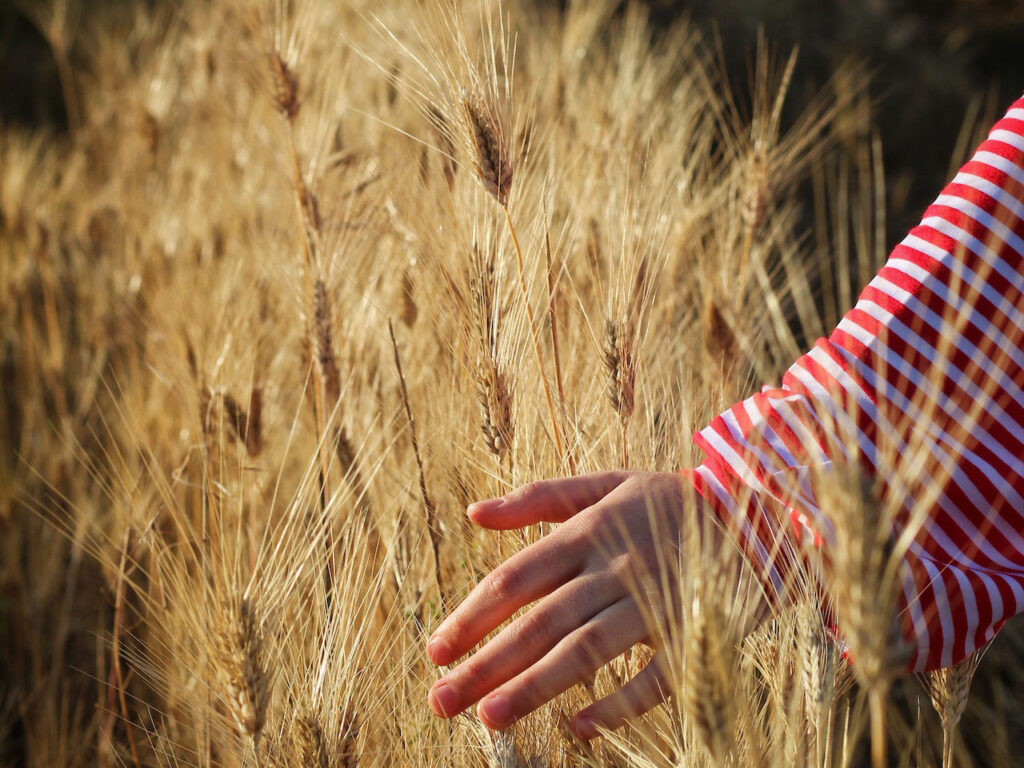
(247, 529)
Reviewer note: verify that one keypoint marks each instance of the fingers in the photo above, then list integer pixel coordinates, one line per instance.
(544, 501)
(524, 642)
(642, 693)
(580, 654)
(526, 576)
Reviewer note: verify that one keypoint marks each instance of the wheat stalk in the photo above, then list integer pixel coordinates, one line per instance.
(534, 336)
(948, 689)
(493, 161)
(433, 527)
(864, 586)
(553, 321)
(286, 95)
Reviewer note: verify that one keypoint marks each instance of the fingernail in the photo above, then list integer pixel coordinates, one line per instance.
(445, 700)
(496, 711)
(584, 728)
(439, 651)
(487, 505)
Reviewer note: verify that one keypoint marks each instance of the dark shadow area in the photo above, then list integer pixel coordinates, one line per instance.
(30, 86)
(30, 92)
(928, 62)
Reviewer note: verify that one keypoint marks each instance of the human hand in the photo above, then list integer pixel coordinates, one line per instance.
(620, 527)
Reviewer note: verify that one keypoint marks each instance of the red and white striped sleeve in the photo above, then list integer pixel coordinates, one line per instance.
(930, 359)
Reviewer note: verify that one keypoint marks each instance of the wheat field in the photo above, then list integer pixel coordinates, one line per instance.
(303, 280)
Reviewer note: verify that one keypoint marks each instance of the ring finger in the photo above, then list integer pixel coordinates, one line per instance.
(611, 632)
(525, 641)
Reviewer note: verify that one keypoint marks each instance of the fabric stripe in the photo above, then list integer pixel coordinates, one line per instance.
(924, 379)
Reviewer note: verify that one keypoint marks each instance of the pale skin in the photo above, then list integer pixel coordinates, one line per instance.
(580, 580)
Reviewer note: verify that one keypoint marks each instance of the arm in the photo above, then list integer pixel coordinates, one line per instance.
(925, 375)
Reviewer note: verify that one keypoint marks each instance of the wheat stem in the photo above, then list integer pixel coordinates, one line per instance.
(876, 704)
(948, 735)
(533, 333)
(828, 742)
(433, 529)
(67, 86)
(288, 104)
(748, 246)
(570, 458)
(948, 689)
(115, 650)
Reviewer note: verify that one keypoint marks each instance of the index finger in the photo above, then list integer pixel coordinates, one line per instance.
(548, 501)
(526, 576)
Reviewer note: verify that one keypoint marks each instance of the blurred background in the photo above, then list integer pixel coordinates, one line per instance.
(934, 66)
(941, 72)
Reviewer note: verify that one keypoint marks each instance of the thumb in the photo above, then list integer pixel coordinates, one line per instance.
(544, 501)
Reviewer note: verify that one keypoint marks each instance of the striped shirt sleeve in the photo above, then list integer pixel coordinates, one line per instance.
(930, 362)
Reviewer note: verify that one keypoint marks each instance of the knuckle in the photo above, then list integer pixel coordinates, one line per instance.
(591, 645)
(632, 480)
(619, 566)
(575, 534)
(528, 491)
(618, 476)
(537, 626)
(601, 515)
(503, 583)
(472, 682)
(662, 681)
(528, 695)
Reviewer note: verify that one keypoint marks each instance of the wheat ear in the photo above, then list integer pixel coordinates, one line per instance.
(620, 364)
(817, 657)
(495, 168)
(707, 696)
(493, 388)
(494, 394)
(308, 738)
(493, 160)
(241, 665)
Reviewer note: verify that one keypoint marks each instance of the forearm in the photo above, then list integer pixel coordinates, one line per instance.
(921, 385)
